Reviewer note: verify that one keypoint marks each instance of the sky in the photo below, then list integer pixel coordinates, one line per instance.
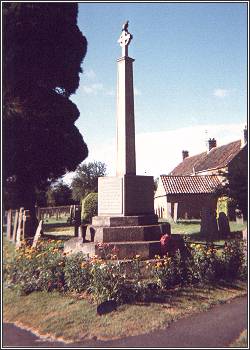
(190, 79)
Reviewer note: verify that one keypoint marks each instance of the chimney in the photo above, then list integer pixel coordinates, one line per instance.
(211, 144)
(185, 154)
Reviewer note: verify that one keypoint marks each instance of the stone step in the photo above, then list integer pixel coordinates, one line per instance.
(125, 233)
(123, 250)
(135, 220)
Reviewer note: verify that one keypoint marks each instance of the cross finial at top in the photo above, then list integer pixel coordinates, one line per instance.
(125, 26)
(125, 38)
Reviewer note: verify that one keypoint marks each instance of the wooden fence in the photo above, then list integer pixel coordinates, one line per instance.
(18, 225)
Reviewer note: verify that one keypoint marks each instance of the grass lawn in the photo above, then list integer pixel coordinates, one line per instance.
(190, 228)
(74, 318)
(241, 341)
(193, 227)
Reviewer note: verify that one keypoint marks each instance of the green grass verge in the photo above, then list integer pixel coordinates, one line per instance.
(74, 318)
(193, 227)
(241, 341)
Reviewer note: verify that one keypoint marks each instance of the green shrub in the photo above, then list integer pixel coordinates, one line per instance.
(232, 260)
(204, 263)
(89, 204)
(77, 273)
(108, 281)
(37, 269)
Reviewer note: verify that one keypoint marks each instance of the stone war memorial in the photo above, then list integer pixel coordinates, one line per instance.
(126, 222)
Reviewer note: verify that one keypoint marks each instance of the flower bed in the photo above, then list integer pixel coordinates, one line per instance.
(48, 268)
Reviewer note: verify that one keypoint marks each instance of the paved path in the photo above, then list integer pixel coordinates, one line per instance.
(217, 327)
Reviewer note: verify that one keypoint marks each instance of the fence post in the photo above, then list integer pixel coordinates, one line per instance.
(77, 219)
(9, 224)
(38, 234)
(20, 228)
(15, 226)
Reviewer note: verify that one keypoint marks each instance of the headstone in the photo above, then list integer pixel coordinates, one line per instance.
(9, 224)
(77, 219)
(19, 235)
(223, 224)
(38, 234)
(239, 216)
(15, 226)
(209, 228)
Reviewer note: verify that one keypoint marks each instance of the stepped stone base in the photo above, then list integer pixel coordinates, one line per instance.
(125, 220)
(128, 250)
(124, 236)
(125, 229)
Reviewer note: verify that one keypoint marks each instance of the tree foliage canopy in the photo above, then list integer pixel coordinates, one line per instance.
(236, 180)
(59, 194)
(86, 179)
(89, 206)
(42, 53)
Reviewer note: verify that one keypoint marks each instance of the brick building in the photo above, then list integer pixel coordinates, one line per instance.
(193, 183)
(184, 196)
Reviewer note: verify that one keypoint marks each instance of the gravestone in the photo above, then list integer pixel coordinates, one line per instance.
(126, 217)
(9, 224)
(209, 228)
(77, 219)
(239, 216)
(15, 226)
(223, 224)
(38, 234)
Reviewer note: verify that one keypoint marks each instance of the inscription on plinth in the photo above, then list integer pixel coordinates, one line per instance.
(110, 197)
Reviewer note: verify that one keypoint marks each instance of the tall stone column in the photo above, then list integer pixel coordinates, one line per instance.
(125, 128)
(125, 161)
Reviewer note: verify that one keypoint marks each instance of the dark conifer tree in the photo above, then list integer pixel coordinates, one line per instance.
(43, 49)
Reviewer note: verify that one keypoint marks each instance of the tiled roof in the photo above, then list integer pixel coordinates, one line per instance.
(190, 184)
(217, 158)
(186, 167)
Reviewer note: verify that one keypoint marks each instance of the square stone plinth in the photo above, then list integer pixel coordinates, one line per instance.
(126, 195)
